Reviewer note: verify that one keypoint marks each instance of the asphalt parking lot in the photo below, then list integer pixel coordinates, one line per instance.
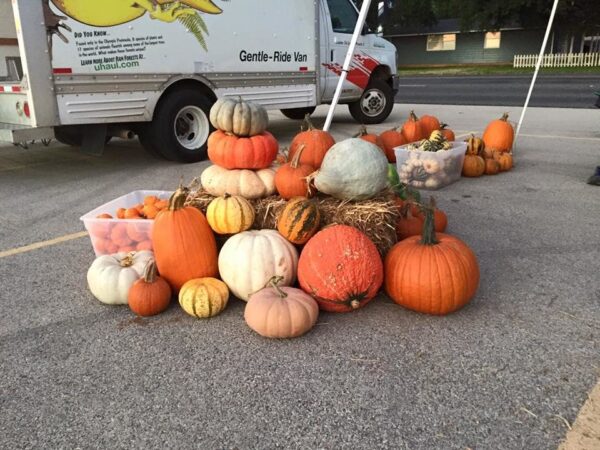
(509, 371)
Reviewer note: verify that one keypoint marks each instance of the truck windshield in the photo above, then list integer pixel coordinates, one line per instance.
(343, 16)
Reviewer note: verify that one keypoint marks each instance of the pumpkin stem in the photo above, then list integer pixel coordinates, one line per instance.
(296, 158)
(413, 116)
(428, 234)
(150, 272)
(504, 117)
(127, 261)
(274, 283)
(308, 123)
(177, 200)
(226, 195)
(362, 131)
(443, 126)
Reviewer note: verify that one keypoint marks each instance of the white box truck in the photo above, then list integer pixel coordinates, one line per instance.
(92, 69)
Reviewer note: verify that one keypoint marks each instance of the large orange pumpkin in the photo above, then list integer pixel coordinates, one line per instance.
(499, 135)
(431, 274)
(341, 268)
(315, 142)
(429, 124)
(391, 139)
(184, 245)
(412, 130)
(233, 152)
(291, 178)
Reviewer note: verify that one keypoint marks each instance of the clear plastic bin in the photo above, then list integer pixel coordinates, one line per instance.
(110, 236)
(430, 170)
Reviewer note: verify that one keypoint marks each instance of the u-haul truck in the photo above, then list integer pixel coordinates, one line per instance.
(92, 69)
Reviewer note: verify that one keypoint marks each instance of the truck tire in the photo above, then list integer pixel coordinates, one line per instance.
(375, 103)
(180, 127)
(71, 135)
(298, 113)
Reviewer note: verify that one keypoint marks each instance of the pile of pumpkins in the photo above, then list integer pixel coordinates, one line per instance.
(490, 154)
(337, 268)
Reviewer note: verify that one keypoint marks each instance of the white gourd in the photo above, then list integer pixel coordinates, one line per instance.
(111, 276)
(218, 181)
(248, 260)
(239, 117)
(353, 169)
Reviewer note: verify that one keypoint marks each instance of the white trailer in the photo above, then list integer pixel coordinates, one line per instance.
(92, 69)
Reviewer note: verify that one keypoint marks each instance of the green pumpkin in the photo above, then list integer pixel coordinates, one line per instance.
(353, 169)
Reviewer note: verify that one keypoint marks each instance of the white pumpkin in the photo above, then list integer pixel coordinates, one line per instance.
(239, 117)
(218, 181)
(110, 276)
(248, 261)
(353, 169)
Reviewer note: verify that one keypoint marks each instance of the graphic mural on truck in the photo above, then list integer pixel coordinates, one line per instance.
(360, 69)
(108, 13)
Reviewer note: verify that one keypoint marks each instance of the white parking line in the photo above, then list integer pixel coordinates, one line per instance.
(36, 245)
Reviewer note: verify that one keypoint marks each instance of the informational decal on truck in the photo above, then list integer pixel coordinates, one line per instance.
(185, 36)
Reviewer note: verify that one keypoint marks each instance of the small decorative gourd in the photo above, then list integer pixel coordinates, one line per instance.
(242, 118)
(281, 312)
(151, 294)
(353, 170)
(203, 297)
(299, 220)
(111, 276)
(230, 214)
(475, 145)
(249, 259)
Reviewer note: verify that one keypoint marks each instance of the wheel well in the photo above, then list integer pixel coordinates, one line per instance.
(187, 83)
(382, 73)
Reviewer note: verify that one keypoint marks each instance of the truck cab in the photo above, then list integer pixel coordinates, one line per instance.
(88, 70)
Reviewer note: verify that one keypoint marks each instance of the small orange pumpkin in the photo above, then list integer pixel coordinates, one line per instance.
(492, 167)
(499, 134)
(121, 213)
(473, 166)
(505, 160)
(299, 220)
(391, 139)
(429, 124)
(447, 132)
(119, 235)
(372, 138)
(291, 178)
(315, 143)
(408, 224)
(412, 129)
(151, 294)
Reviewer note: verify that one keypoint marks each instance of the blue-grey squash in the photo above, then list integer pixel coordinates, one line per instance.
(353, 169)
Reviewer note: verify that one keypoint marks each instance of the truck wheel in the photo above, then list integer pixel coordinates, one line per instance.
(375, 103)
(180, 127)
(298, 113)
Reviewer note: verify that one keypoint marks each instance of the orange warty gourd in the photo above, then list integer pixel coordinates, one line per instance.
(315, 142)
(290, 178)
(233, 152)
(499, 135)
(184, 245)
(341, 268)
(412, 129)
(390, 139)
(429, 124)
(432, 274)
(150, 295)
(447, 132)
(473, 166)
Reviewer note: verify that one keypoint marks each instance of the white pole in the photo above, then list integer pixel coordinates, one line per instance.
(537, 68)
(338, 90)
